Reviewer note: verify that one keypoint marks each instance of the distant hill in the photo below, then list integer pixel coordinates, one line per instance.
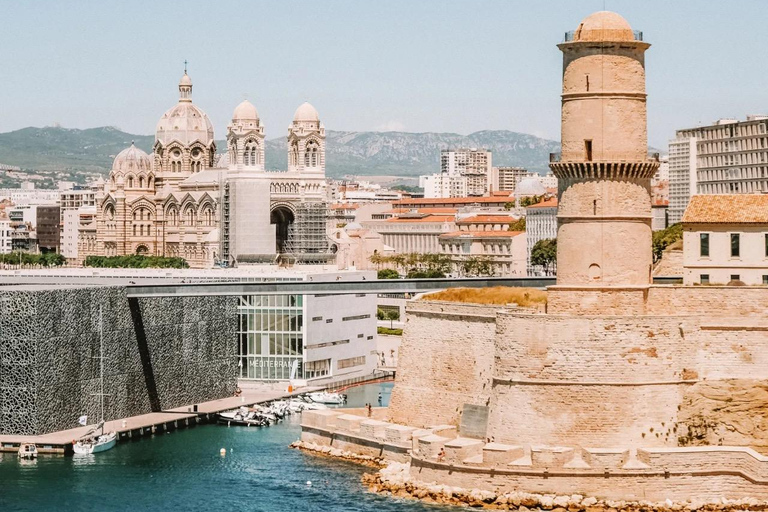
(360, 153)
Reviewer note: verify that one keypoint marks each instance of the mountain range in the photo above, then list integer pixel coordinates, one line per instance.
(347, 153)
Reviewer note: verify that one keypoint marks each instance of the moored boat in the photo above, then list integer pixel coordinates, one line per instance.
(27, 451)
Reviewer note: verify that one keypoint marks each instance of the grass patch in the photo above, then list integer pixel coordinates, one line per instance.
(390, 332)
(524, 297)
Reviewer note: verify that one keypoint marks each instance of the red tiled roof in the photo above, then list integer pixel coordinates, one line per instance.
(452, 200)
(727, 209)
(422, 210)
(350, 206)
(548, 203)
(487, 219)
(482, 234)
(428, 218)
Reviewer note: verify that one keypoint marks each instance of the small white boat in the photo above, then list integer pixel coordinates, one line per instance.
(27, 451)
(95, 444)
(325, 397)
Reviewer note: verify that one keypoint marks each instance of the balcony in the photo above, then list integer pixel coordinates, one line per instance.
(608, 157)
(601, 35)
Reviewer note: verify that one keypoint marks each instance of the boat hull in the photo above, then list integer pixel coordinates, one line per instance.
(104, 443)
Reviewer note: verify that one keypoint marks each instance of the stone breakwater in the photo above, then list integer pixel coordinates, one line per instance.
(394, 479)
(336, 453)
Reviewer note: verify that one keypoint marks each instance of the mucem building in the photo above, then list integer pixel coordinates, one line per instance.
(163, 353)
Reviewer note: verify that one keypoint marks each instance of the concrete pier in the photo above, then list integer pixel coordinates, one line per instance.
(147, 424)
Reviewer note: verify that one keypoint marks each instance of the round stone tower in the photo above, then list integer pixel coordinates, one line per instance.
(604, 172)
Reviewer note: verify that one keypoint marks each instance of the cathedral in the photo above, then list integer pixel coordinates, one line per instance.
(186, 200)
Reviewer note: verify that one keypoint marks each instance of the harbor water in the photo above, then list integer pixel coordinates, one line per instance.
(184, 470)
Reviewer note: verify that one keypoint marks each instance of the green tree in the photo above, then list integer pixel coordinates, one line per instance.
(518, 225)
(388, 273)
(662, 239)
(544, 253)
(477, 266)
(392, 315)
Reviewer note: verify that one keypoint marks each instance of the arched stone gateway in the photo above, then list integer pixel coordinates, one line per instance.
(142, 250)
(282, 217)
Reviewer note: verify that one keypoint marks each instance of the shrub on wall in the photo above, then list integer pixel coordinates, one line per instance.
(135, 261)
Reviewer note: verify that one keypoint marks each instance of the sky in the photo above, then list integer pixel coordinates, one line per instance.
(412, 65)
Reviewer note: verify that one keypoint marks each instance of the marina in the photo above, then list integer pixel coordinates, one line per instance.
(185, 471)
(146, 424)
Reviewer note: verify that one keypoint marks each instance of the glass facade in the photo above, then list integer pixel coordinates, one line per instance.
(271, 337)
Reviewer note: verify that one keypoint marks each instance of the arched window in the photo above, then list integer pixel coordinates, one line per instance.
(141, 181)
(311, 154)
(189, 216)
(294, 154)
(134, 230)
(150, 182)
(130, 181)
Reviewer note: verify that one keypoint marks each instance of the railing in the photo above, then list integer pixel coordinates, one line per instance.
(606, 157)
(607, 34)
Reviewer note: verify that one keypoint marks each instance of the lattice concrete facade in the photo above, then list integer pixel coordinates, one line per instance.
(160, 354)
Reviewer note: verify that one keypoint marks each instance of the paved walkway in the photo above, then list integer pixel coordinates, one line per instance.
(65, 437)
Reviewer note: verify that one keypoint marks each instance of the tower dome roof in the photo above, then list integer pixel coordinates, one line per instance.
(185, 122)
(132, 159)
(604, 26)
(529, 187)
(245, 111)
(306, 112)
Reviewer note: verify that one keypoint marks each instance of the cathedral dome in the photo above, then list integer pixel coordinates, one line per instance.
(132, 159)
(529, 187)
(245, 111)
(306, 112)
(604, 26)
(185, 122)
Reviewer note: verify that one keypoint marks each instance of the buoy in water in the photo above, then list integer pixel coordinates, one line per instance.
(309, 483)
(223, 452)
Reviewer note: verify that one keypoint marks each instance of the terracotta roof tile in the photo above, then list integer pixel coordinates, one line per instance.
(549, 203)
(427, 218)
(452, 200)
(481, 234)
(727, 209)
(487, 219)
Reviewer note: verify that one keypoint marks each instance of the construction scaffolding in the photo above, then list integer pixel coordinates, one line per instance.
(307, 241)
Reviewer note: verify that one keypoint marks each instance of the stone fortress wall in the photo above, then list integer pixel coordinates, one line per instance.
(159, 354)
(647, 407)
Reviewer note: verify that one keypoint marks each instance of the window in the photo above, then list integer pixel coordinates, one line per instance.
(704, 278)
(315, 369)
(350, 362)
(765, 279)
(316, 318)
(766, 245)
(735, 245)
(588, 150)
(329, 320)
(704, 245)
(735, 277)
(356, 317)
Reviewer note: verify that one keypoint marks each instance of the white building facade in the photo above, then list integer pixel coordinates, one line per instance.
(725, 239)
(540, 224)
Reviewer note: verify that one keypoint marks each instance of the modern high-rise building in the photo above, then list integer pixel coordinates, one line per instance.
(507, 178)
(727, 157)
(443, 185)
(682, 175)
(472, 163)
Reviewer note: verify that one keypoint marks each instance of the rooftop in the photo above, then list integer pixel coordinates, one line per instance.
(501, 295)
(423, 218)
(453, 200)
(548, 203)
(482, 234)
(727, 209)
(487, 219)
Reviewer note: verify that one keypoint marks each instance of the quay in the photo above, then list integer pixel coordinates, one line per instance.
(136, 427)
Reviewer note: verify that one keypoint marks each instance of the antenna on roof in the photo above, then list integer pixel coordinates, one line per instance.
(185, 66)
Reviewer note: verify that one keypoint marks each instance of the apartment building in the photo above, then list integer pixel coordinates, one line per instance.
(727, 157)
(472, 163)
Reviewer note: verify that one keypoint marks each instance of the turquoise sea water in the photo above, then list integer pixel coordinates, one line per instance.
(184, 471)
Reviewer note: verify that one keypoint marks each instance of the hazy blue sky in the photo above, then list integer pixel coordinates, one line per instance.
(457, 66)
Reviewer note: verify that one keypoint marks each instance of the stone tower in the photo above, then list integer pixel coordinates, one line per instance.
(306, 141)
(604, 173)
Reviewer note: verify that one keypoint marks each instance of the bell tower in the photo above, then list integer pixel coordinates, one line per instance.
(604, 172)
